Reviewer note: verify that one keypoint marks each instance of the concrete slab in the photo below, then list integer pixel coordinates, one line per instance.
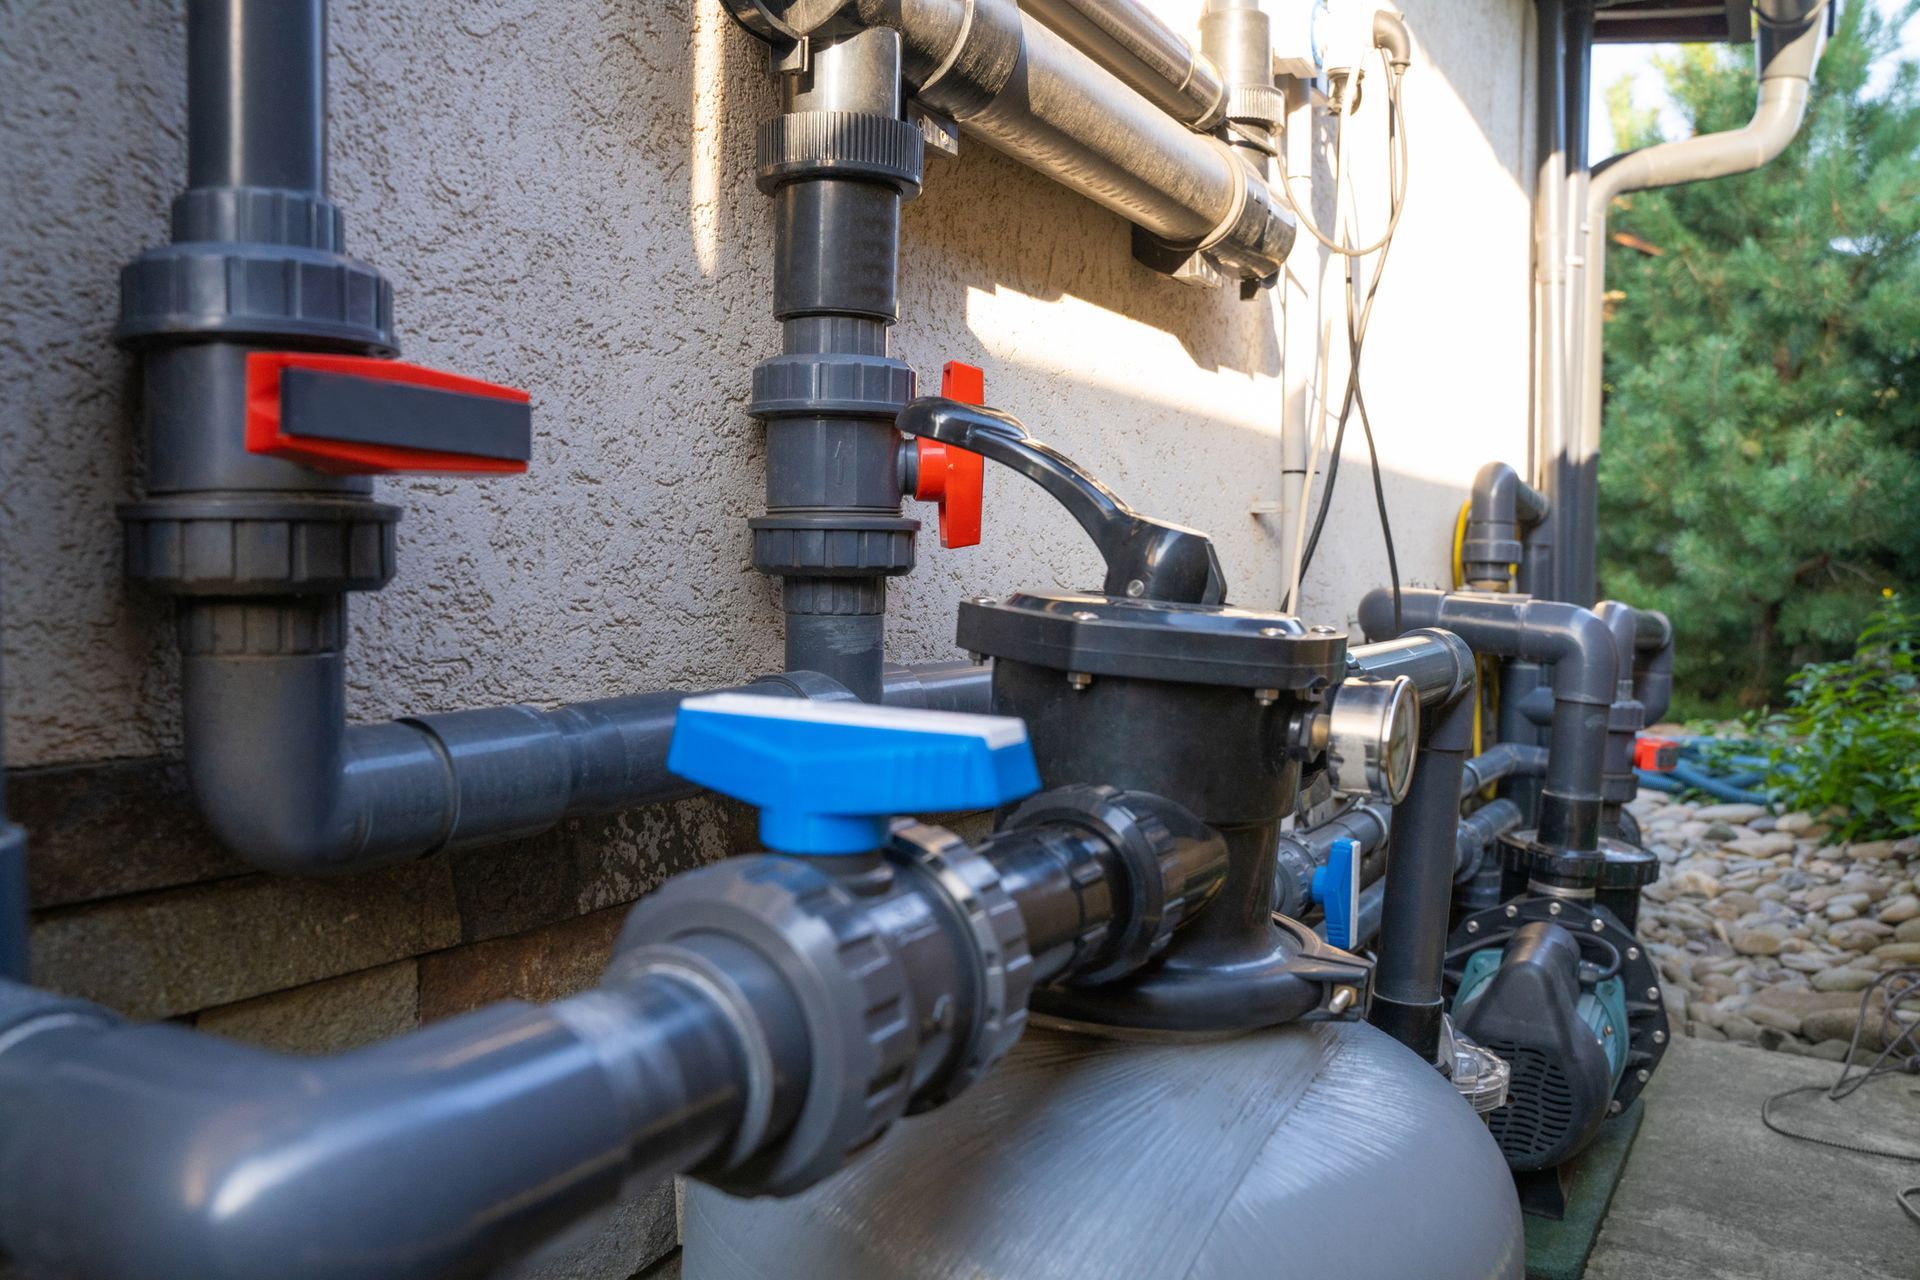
(1710, 1194)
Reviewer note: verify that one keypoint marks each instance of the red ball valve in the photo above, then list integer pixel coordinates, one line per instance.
(954, 478)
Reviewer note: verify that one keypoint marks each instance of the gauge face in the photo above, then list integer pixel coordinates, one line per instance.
(1402, 732)
(1375, 726)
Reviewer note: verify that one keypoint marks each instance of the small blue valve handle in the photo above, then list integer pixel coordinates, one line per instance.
(829, 777)
(1336, 887)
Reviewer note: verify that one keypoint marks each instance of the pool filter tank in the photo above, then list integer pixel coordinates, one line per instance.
(1214, 1110)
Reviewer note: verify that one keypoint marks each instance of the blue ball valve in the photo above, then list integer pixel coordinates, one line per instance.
(1336, 887)
(829, 778)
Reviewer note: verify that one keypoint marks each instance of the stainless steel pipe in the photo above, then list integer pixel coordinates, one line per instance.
(1151, 58)
(1024, 90)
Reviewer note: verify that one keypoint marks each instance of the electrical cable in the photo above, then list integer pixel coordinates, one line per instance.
(1398, 161)
(1903, 988)
(1356, 339)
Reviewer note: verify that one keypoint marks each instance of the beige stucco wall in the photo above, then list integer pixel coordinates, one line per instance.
(561, 195)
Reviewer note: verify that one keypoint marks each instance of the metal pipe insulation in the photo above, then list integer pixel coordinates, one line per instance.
(289, 787)
(1024, 90)
(1578, 646)
(763, 1018)
(1151, 58)
(1439, 663)
(1787, 49)
(1501, 508)
(1407, 988)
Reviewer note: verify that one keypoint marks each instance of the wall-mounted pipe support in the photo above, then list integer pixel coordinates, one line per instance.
(1787, 49)
(1578, 647)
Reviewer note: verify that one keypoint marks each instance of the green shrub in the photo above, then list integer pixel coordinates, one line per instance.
(1849, 737)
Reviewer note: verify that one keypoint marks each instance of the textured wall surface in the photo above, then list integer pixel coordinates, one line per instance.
(561, 195)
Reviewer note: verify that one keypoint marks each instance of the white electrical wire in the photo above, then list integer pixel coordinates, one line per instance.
(1346, 214)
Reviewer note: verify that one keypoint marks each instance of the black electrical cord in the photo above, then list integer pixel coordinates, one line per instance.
(1900, 1056)
(1398, 158)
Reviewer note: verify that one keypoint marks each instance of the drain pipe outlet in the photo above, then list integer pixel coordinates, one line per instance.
(1788, 47)
(1579, 648)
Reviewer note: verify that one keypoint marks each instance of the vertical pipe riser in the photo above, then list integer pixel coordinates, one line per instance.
(838, 164)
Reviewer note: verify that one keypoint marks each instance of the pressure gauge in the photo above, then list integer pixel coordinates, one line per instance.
(1370, 741)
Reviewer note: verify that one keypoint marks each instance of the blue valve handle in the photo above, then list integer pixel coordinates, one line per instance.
(829, 778)
(1336, 887)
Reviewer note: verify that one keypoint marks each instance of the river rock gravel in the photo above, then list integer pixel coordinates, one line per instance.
(1766, 933)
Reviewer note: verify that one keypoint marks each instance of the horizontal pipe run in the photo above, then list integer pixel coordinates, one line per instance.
(1501, 761)
(291, 788)
(1579, 648)
(1024, 90)
(1130, 41)
(1439, 663)
(160, 1153)
(1301, 853)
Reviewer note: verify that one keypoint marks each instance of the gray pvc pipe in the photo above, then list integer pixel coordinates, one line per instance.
(1626, 717)
(1501, 506)
(152, 1152)
(1477, 830)
(1579, 648)
(1653, 670)
(258, 114)
(1407, 986)
(1500, 761)
(1301, 853)
(291, 788)
(1787, 50)
(15, 921)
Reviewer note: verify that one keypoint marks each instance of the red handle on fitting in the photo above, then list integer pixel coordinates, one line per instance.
(954, 478)
(353, 415)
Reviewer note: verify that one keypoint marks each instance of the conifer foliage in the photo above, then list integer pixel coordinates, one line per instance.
(1760, 467)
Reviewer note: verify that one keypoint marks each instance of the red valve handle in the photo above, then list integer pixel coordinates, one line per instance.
(954, 478)
(355, 415)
